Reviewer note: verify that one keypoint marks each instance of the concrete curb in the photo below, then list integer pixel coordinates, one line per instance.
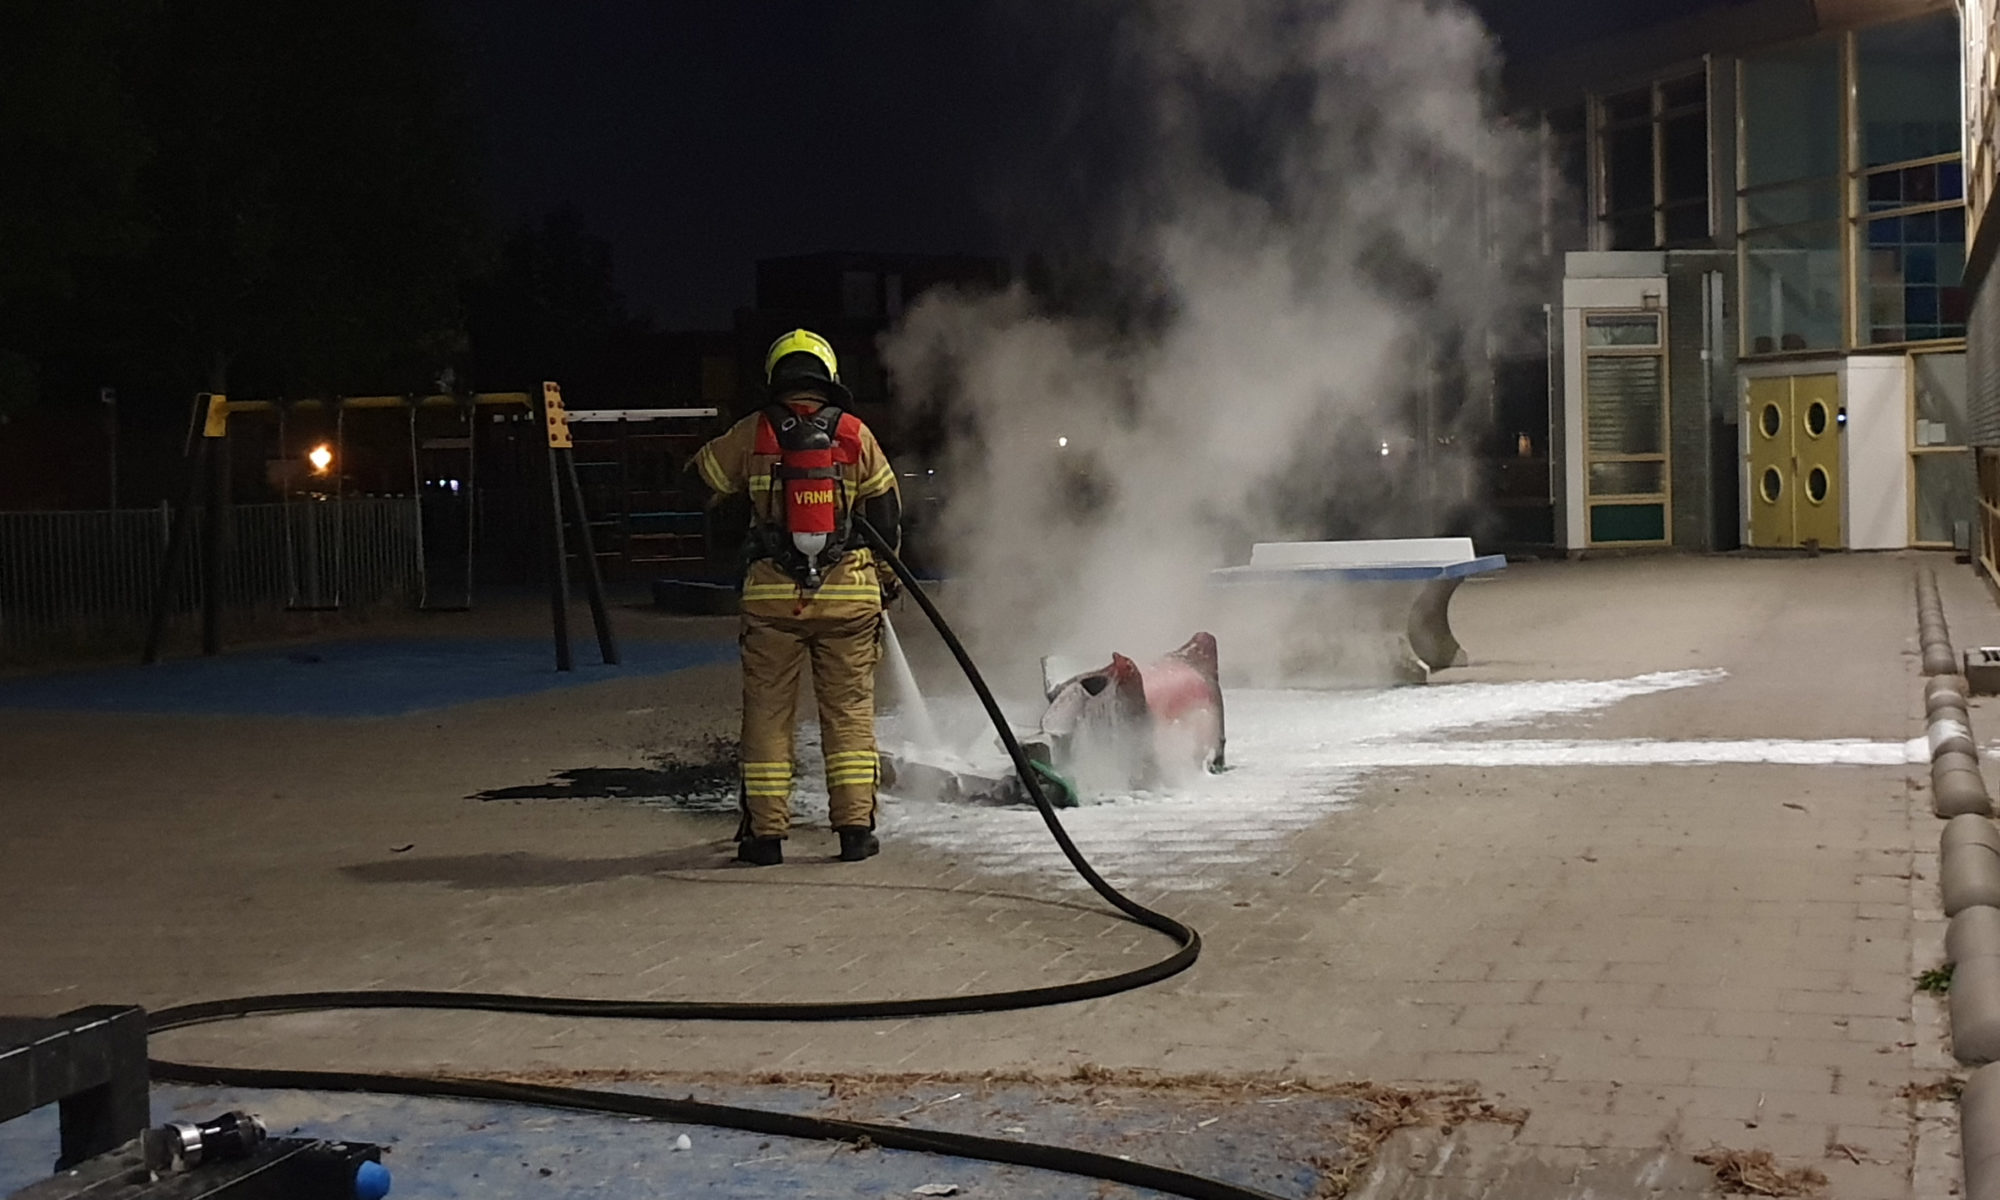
(1969, 875)
(1946, 683)
(1957, 786)
(1976, 831)
(1950, 732)
(1969, 886)
(1948, 705)
(1958, 792)
(1979, 1134)
(1973, 933)
(1933, 635)
(1975, 1014)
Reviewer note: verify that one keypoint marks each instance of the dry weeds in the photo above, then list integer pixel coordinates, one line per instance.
(1757, 1173)
(1382, 1111)
(1379, 1111)
(1947, 1088)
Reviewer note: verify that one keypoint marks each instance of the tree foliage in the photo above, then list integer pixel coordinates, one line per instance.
(276, 196)
(71, 148)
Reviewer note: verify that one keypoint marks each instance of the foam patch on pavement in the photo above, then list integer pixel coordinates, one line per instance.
(1298, 755)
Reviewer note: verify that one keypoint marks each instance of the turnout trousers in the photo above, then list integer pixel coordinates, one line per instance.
(843, 652)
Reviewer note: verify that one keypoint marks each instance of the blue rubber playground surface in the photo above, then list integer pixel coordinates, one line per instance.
(363, 678)
(458, 1150)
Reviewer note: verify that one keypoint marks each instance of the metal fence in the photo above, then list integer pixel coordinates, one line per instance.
(71, 580)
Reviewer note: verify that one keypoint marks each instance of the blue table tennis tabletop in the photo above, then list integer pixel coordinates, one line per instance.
(1382, 573)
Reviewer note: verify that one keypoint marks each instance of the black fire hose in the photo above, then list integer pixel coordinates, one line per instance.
(760, 1121)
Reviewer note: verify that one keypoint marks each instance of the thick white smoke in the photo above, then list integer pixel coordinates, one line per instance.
(1327, 220)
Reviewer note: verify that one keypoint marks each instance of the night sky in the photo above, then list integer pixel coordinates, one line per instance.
(699, 137)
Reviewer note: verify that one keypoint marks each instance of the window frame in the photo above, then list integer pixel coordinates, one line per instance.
(1665, 456)
(1917, 452)
(1850, 223)
(1601, 126)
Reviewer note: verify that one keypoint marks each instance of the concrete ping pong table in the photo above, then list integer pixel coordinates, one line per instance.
(1407, 583)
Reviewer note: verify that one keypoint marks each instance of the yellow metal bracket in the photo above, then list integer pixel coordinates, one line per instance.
(557, 417)
(216, 422)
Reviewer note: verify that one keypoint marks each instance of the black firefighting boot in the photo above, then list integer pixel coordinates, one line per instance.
(761, 851)
(858, 842)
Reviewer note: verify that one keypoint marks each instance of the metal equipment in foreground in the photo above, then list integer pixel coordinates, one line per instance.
(207, 472)
(91, 1064)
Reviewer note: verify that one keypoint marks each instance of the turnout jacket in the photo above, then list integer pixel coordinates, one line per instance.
(743, 461)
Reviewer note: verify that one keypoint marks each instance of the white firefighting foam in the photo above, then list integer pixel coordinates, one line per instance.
(1297, 756)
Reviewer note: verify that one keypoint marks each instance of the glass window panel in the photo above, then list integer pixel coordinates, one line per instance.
(1628, 523)
(1913, 292)
(1885, 305)
(1907, 85)
(1628, 478)
(1885, 190)
(1624, 404)
(1951, 225)
(1792, 288)
(1921, 229)
(1796, 205)
(1951, 180)
(1943, 404)
(1682, 93)
(1684, 157)
(1885, 231)
(1634, 230)
(1621, 329)
(1791, 113)
(1687, 223)
(1920, 264)
(1947, 493)
(1629, 106)
(1920, 184)
(1628, 168)
(1570, 154)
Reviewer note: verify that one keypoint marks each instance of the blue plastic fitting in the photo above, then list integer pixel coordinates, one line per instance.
(371, 1181)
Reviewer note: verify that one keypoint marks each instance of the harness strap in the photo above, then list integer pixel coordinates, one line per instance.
(795, 431)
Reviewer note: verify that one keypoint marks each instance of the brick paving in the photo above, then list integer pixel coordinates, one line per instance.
(1640, 955)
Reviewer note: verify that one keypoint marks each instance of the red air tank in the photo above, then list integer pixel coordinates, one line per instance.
(811, 505)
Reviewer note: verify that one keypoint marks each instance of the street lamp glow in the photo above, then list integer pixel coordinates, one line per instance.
(321, 457)
(1062, 443)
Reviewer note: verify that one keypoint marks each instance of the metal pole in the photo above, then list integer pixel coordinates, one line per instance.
(417, 509)
(558, 568)
(471, 494)
(110, 398)
(177, 535)
(593, 580)
(339, 502)
(211, 546)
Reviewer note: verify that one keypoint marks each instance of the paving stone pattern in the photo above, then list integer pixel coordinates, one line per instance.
(1644, 955)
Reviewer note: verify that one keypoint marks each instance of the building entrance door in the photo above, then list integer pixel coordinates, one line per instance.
(1795, 462)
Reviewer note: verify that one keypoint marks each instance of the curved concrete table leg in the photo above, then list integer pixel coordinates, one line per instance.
(1430, 626)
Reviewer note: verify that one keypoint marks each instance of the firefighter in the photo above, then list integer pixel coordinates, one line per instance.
(812, 590)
